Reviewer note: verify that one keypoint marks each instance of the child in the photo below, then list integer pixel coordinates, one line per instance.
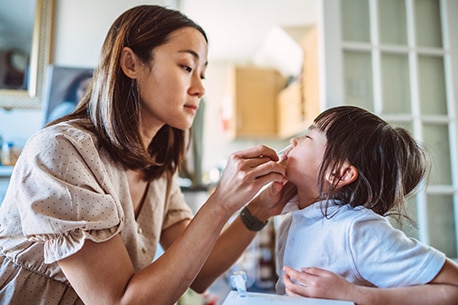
(351, 170)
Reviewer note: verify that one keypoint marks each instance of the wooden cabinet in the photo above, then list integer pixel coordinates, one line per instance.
(263, 105)
(253, 94)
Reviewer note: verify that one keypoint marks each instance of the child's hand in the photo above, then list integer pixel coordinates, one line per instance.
(272, 199)
(317, 283)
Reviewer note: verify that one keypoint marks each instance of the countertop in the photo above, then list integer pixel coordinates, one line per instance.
(254, 298)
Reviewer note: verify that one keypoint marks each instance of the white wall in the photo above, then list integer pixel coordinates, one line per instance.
(80, 28)
(18, 124)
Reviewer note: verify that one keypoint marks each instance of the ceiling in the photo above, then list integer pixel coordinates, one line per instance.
(237, 28)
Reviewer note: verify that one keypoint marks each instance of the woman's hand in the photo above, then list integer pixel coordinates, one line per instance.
(317, 283)
(272, 198)
(245, 174)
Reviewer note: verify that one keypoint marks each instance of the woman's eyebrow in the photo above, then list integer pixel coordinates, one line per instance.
(193, 53)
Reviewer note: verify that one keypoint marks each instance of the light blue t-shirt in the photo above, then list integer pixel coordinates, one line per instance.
(355, 243)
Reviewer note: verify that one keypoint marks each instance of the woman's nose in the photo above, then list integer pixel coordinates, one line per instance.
(198, 87)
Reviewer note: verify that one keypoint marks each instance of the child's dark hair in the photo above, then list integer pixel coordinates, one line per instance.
(390, 163)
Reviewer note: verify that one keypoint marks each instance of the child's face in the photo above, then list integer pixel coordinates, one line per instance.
(304, 161)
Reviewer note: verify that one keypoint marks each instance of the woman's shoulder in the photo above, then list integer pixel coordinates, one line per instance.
(63, 141)
(70, 131)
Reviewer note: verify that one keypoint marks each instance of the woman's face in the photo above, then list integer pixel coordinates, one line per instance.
(304, 161)
(171, 90)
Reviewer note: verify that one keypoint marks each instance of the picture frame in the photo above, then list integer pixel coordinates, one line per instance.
(66, 84)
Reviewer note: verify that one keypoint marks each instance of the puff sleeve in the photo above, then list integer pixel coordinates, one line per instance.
(63, 193)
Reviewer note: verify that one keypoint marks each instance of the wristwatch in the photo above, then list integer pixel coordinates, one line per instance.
(251, 222)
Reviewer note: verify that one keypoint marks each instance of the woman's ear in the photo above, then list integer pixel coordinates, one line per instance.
(129, 63)
(346, 175)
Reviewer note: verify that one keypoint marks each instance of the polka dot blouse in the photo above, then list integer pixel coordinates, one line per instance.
(63, 191)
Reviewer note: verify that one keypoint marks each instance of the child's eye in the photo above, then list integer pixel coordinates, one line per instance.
(303, 137)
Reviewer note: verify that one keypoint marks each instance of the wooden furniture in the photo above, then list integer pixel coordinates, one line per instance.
(265, 105)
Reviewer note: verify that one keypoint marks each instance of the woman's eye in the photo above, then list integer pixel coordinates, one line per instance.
(187, 68)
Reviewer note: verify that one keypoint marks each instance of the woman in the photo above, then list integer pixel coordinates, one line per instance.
(94, 192)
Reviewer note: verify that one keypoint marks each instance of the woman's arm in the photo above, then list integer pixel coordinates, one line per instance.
(228, 248)
(102, 273)
(319, 283)
(236, 237)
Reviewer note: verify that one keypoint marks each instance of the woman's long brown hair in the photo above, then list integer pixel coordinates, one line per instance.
(111, 105)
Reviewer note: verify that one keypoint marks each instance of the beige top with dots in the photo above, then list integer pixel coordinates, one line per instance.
(64, 190)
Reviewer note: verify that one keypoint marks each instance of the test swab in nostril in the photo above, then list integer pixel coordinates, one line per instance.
(281, 156)
(281, 153)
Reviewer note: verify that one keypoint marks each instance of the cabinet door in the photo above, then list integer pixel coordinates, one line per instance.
(398, 58)
(254, 91)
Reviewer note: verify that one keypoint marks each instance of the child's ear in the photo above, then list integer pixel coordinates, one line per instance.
(129, 63)
(346, 175)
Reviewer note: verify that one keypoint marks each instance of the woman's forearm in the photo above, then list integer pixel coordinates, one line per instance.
(230, 245)
(236, 238)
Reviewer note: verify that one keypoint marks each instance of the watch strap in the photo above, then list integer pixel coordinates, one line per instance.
(250, 221)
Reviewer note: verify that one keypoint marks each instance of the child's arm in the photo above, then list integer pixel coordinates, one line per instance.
(319, 283)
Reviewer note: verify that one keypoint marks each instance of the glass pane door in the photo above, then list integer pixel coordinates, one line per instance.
(396, 61)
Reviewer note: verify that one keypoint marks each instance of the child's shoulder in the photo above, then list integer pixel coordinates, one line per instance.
(357, 215)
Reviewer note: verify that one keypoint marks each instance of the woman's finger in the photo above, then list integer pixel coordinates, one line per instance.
(262, 169)
(258, 151)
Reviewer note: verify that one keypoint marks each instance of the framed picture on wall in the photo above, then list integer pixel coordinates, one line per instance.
(66, 87)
